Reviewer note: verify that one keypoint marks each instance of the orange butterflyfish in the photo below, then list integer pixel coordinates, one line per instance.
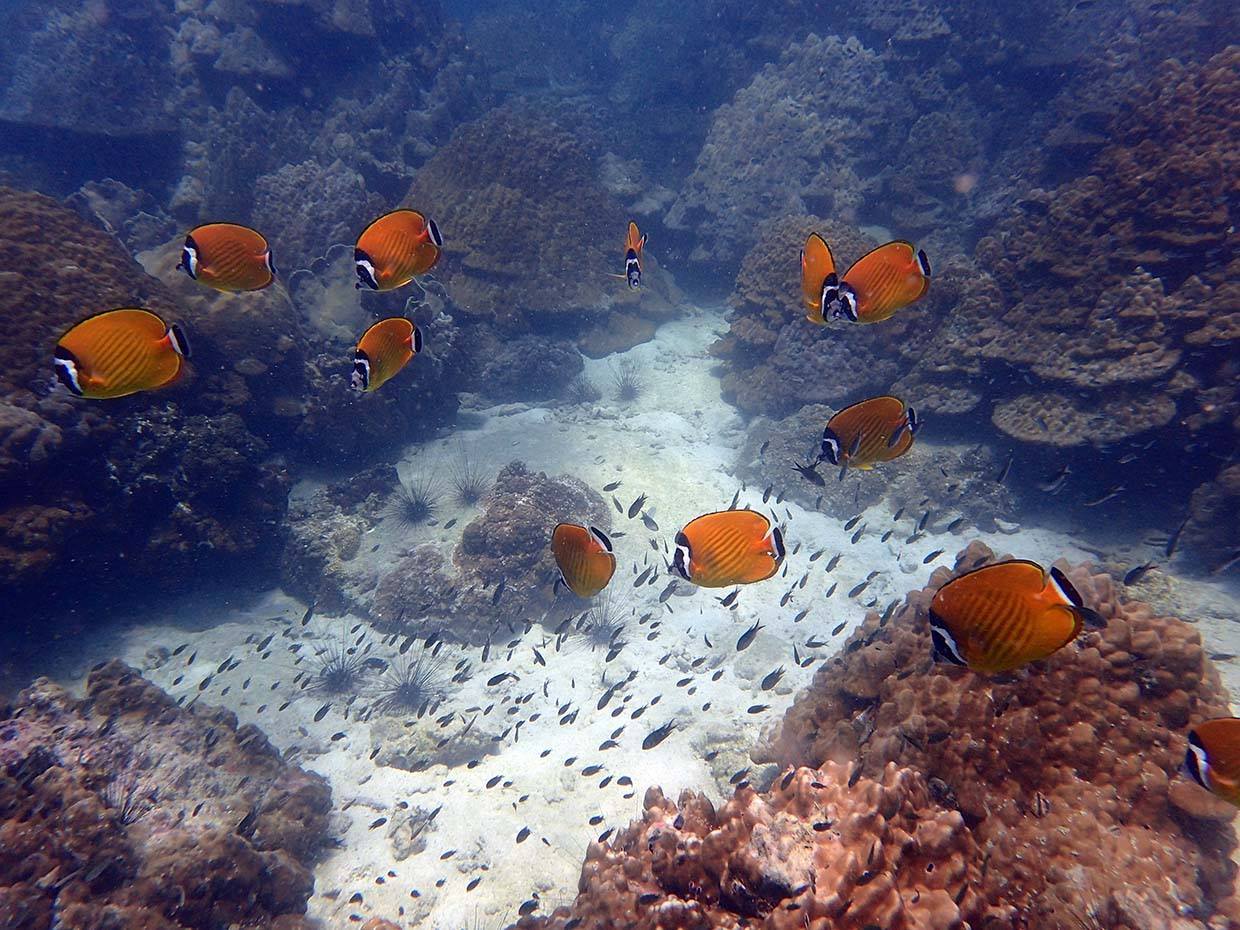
(634, 243)
(395, 248)
(120, 352)
(882, 281)
(876, 430)
(1213, 757)
(584, 556)
(730, 547)
(384, 350)
(228, 257)
(999, 617)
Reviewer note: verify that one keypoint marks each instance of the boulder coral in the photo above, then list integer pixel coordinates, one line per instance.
(122, 809)
(914, 795)
(530, 231)
(1065, 771)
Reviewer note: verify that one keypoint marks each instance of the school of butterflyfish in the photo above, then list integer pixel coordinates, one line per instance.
(993, 620)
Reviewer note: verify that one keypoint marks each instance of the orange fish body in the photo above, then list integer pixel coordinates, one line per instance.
(876, 430)
(384, 350)
(730, 547)
(396, 248)
(878, 284)
(118, 353)
(634, 244)
(1002, 616)
(584, 557)
(819, 281)
(228, 257)
(1213, 757)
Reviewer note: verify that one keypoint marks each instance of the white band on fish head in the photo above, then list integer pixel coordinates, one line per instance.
(681, 557)
(365, 270)
(66, 370)
(830, 446)
(945, 647)
(1196, 763)
(189, 258)
(360, 379)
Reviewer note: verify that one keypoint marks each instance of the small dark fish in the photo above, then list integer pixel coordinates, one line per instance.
(839, 628)
(499, 591)
(523, 834)
(619, 506)
(1224, 566)
(655, 737)
(730, 599)
(857, 589)
(337, 737)
(762, 449)
(853, 521)
(1134, 575)
(735, 500)
(955, 524)
(925, 518)
(809, 472)
(1113, 493)
(831, 590)
(451, 523)
(1174, 539)
(649, 523)
(1054, 483)
(757, 708)
(857, 535)
(611, 487)
(747, 637)
(835, 560)
(668, 591)
(305, 618)
(932, 556)
(377, 823)
(766, 494)
(637, 505)
(322, 712)
(496, 679)
(772, 679)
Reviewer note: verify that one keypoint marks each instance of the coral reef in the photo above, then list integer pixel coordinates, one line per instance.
(508, 542)
(916, 794)
(777, 361)
(1050, 788)
(147, 486)
(531, 232)
(820, 849)
(124, 810)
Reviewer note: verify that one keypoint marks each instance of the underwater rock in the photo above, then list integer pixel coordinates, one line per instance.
(151, 486)
(1213, 529)
(1049, 787)
(776, 361)
(820, 846)
(420, 585)
(531, 367)
(530, 231)
(309, 207)
(509, 543)
(123, 807)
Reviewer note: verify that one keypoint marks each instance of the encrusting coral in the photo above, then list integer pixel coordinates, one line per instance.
(123, 810)
(915, 794)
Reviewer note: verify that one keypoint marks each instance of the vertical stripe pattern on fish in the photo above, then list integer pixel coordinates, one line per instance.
(727, 548)
(384, 350)
(396, 248)
(863, 434)
(118, 353)
(584, 556)
(228, 257)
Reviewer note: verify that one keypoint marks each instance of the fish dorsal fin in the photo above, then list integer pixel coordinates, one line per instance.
(600, 537)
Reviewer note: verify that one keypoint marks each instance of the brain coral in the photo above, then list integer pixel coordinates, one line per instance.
(1065, 771)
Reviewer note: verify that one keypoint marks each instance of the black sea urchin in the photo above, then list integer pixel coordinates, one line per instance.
(414, 500)
(602, 625)
(129, 799)
(469, 482)
(338, 667)
(410, 685)
(627, 380)
(581, 390)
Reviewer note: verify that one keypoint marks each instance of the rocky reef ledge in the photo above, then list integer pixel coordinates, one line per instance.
(919, 795)
(123, 810)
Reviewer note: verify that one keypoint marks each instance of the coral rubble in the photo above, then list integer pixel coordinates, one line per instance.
(124, 810)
